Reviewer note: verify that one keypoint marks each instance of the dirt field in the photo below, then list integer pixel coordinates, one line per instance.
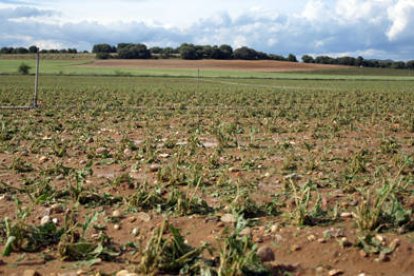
(320, 174)
(233, 65)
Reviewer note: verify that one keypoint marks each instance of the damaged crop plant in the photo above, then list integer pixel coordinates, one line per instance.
(158, 175)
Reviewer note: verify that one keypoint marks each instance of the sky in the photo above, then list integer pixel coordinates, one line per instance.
(370, 28)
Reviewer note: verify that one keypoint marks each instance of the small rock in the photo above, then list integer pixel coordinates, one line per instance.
(45, 220)
(155, 167)
(344, 242)
(55, 221)
(127, 152)
(117, 227)
(220, 224)
(43, 159)
(228, 218)
(363, 254)
(319, 269)
(102, 151)
(293, 176)
(402, 230)
(89, 140)
(335, 272)
(380, 238)
(346, 215)
(258, 240)
(70, 273)
(312, 238)
(266, 254)
(321, 240)
(30, 272)
(25, 152)
(125, 273)
(56, 209)
(135, 231)
(122, 273)
(83, 162)
(116, 214)
(246, 231)
(278, 238)
(144, 217)
(382, 258)
(394, 244)
(164, 155)
(353, 203)
(295, 247)
(333, 233)
(274, 228)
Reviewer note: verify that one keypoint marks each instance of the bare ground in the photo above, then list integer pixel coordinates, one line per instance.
(239, 65)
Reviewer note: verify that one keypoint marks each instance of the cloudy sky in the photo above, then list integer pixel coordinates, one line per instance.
(371, 28)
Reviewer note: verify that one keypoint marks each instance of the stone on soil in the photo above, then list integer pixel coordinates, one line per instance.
(126, 273)
(266, 254)
(144, 217)
(30, 272)
(228, 218)
(45, 220)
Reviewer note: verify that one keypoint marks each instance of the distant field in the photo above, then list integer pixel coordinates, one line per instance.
(260, 66)
(87, 65)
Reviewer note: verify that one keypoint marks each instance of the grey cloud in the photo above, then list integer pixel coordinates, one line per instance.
(24, 12)
(279, 34)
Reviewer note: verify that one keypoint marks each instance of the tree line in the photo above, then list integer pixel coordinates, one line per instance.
(184, 51)
(359, 61)
(33, 50)
(226, 52)
(194, 52)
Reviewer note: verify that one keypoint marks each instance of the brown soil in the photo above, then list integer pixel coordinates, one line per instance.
(235, 65)
(322, 157)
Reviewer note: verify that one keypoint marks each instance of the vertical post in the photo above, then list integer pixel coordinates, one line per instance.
(35, 105)
(198, 78)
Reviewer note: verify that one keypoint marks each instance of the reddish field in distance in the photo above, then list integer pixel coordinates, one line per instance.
(234, 65)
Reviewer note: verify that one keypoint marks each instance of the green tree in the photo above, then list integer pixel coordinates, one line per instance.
(103, 55)
(21, 50)
(226, 51)
(6, 50)
(277, 57)
(398, 65)
(308, 59)
(103, 48)
(292, 58)
(134, 51)
(245, 53)
(189, 51)
(156, 50)
(167, 52)
(33, 49)
(24, 69)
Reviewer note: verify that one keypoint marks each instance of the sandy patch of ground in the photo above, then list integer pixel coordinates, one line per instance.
(232, 65)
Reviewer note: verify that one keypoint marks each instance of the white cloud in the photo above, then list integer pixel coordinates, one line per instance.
(375, 28)
(315, 10)
(402, 17)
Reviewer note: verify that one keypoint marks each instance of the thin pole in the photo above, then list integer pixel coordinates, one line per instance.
(36, 91)
(198, 78)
